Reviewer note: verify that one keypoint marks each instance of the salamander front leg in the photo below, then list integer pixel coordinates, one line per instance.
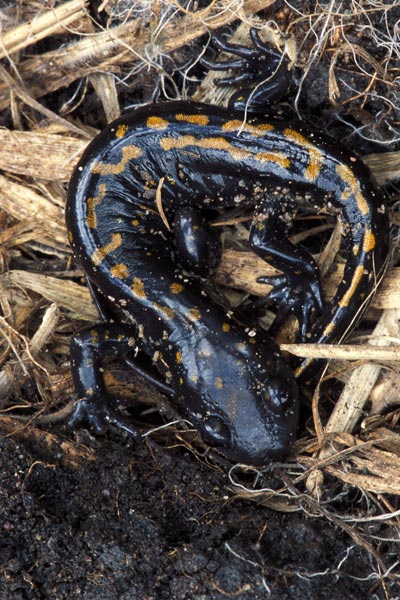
(298, 291)
(89, 349)
(198, 246)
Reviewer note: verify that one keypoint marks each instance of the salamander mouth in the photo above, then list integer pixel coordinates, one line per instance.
(257, 458)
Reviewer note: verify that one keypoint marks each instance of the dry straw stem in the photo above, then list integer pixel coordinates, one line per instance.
(30, 349)
(109, 50)
(240, 269)
(67, 294)
(350, 405)
(57, 20)
(385, 166)
(40, 155)
(42, 213)
(65, 452)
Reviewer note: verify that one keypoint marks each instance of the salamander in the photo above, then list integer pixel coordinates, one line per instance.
(139, 211)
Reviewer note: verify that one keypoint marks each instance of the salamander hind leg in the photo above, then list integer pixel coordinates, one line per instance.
(260, 73)
(89, 349)
(298, 290)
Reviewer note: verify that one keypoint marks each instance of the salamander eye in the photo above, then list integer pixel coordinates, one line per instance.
(216, 432)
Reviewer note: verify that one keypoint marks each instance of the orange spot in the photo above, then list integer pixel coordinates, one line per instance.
(138, 288)
(220, 143)
(219, 384)
(358, 273)
(195, 119)
(128, 153)
(369, 241)
(352, 189)
(120, 271)
(176, 288)
(121, 130)
(316, 157)
(100, 254)
(157, 123)
(238, 125)
(329, 329)
(193, 314)
(167, 312)
(91, 203)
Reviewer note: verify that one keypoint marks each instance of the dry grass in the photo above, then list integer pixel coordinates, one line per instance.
(57, 61)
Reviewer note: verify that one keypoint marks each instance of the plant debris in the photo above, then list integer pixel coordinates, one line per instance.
(68, 68)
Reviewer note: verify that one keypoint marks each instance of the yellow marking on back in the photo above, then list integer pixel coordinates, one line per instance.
(167, 312)
(176, 288)
(157, 123)
(178, 357)
(128, 153)
(316, 157)
(220, 143)
(358, 273)
(277, 157)
(329, 329)
(121, 130)
(226, 327)
(91, 203)
(194, 119)
(219, 384)
(352, 189)
(193, 314)
(119, 271)
(369, 241)
(238, 125)
(100, 254)
(138, 287)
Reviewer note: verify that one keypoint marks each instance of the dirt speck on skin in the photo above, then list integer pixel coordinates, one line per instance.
(137, 524)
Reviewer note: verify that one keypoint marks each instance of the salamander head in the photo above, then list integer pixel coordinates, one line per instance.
(243, 399)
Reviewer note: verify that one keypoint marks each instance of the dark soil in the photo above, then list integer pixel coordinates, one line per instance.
(143, 524)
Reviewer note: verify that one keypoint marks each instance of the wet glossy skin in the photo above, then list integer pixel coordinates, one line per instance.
(138, 212)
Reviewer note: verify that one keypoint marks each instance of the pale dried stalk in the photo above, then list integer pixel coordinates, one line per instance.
(39, 155)
(66, 294)
(69, 454)
(240, 270)
(33, 347)
(49, 23)
(385, 166)
(24, 204)
(351, 403)
(109, 50)
(344, 351)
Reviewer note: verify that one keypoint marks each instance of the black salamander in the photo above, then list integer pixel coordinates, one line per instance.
(138, 216)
